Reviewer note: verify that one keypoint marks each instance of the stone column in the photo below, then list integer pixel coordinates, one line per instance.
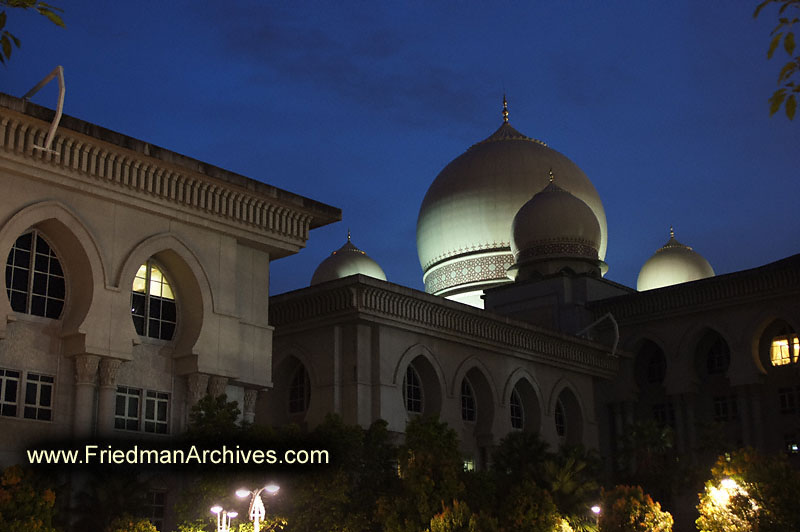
(197, 384)
(217, 385)
(107, 395)
(250, 396)
(82, 413)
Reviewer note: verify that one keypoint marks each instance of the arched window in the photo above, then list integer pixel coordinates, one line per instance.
(153, 303)
(412, 391)
(299, 391)
(468, 406)
(34, 278)
(517, 410)
(718, 357)
(560, 419)
(784, 350)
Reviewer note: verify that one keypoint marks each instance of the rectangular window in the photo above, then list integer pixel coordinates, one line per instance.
(785, 350)
(664, 414)
(126, 414)
(156, 500)
(787, 400)
(144, 410)
(9, 386)
(726, 408)
(39, 397)
(156, 412)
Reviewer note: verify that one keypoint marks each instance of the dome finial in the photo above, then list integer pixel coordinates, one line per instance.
(505, 109)
(552, 177)
(348, 234)
(671, 232)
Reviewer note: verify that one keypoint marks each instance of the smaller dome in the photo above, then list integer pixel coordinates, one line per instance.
(345, 261)
(555, 224)
(673, 263)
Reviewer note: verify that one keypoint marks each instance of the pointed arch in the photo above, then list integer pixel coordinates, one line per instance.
(466, 366)
(192, 288)
(77, 250)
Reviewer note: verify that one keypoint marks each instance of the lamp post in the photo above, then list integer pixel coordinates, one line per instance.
(257, 510)
(596, 511)
(223, 518)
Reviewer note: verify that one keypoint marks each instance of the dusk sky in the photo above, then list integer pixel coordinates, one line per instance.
(361, 104)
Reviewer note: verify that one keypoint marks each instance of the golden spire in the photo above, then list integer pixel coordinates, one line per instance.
(671, 232)
(552, 177)
(505, 110)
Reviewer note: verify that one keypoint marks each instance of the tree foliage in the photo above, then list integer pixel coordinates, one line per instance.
(789, 76)
(750, 491)
(629, 509)
(7, 39)
(128, 523)
(25, 504)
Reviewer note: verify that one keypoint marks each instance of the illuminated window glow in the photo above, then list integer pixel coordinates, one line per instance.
(785, 350)
(153, 303)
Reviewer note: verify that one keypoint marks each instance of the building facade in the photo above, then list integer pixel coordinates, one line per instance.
(137, 280)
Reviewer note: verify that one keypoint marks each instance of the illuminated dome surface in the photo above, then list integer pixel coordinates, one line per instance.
(555, 223)
(464, 222)
(345, 261)
(673, 263)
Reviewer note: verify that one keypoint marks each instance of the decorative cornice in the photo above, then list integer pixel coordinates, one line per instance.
(133, 167)
(779, 278)
(485, 247)
(468, 270)
(363, 296)
(558, 247)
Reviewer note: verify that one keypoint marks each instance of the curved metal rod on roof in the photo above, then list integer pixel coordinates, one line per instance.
(57, 71)
(610, 317)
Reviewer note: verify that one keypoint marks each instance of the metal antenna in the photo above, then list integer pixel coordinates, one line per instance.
(57, 71)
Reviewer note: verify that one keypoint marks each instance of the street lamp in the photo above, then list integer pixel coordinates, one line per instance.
(257, 510)
(223, 518)
(596, 511)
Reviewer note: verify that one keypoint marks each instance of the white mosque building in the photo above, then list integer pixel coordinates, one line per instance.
(137, 281)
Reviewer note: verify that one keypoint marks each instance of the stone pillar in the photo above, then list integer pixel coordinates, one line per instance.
(107, 396)
(249, 413)
(197, 384)
(85, 371)
(691, 433)
(217, 385)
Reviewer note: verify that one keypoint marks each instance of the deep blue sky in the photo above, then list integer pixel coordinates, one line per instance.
(361, 104)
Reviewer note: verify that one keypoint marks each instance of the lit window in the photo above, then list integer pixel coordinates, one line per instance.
(299, 391)
(39, 397)
(34, 278)
(560, 419)
(467, 401)
(412, 391)
(153, 303)
(718, 357)
(9, 384)
(517, 411)
(129, 415)
(785, 350)
(156, 501)
(469, 465)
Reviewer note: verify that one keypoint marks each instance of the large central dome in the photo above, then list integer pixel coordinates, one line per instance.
(464, 224)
